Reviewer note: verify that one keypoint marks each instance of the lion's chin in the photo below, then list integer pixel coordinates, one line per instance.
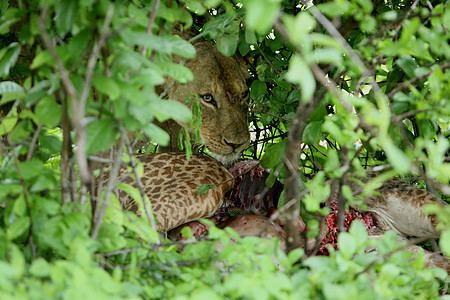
(227, 159)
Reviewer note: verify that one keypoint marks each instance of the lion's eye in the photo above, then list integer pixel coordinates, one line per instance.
(208, 98)
(244, 95)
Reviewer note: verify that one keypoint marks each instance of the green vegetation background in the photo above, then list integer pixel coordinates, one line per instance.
(352, 84)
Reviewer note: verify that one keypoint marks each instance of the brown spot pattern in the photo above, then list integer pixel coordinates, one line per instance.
(171, 182)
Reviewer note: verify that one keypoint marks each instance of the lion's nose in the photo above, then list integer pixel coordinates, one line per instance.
(234, 146)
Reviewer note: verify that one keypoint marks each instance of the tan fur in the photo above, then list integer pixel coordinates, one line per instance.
(224, 128)
(400, 206)
(171, 181)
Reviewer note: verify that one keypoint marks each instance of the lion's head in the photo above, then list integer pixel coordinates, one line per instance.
(220, 84)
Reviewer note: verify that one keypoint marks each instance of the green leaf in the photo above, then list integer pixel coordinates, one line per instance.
(50, 142)
(358, 231)
(300, 73)
(347, 192)
(106, 85)
(295, 255)
(274, 154)
(44, 182)
(156, 134)
(396, 157)
(66, 13)
(204, 188)
(163, 44)
(408, 65)
(176, 71)
(42, 58)
(18, 227)
(9, 59)
(151, 76)
(368, 24)
(40, 268)
(261, 14)
(326, 56)
(31, 169)
(7, 21)
(17, 259)
(170, 109)
(257, 90)
(48, 112)
(10, 90)
(38, 91)
(78, 42)
(389, 272)
(101, 135)
(7, 124)
(444, 242)
(250, 37)
(186, 233)
(346, 244)
(227, 44)
(298, 27)
(312, 133)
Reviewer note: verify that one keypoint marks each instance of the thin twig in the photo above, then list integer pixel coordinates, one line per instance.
(120, 252)
(269, 114)
(101, 159)
(68, 195)
(409, 82)
(72, 93)
(25, 195)
(92, 61)
(98, 218)
(140, 186)
(34, 142)
(353, 55)
(151, 21)
(269, 62)
(413, 6)
(407, 114)
(342, 181)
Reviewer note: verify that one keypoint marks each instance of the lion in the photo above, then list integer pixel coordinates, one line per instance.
(220, 84)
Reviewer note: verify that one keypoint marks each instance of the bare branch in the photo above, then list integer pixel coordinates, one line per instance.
(98, 218)
(72, 93)
(407, 83)
(138, 180)
(34, 142)
(25, 195)
(151, 21)
(269, 62)
(68, 195)
(413, 6)
(93, 59)
(269, 114)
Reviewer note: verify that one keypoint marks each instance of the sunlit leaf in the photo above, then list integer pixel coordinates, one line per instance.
(300, 73)
(10, 90)
(8, 60)
(261, 14)
(101, 135)
(156, 134)
(48, 112)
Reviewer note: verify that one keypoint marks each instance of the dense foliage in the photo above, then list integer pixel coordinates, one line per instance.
(337, 87)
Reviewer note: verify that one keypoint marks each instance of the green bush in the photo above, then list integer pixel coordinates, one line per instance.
(370, 88)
